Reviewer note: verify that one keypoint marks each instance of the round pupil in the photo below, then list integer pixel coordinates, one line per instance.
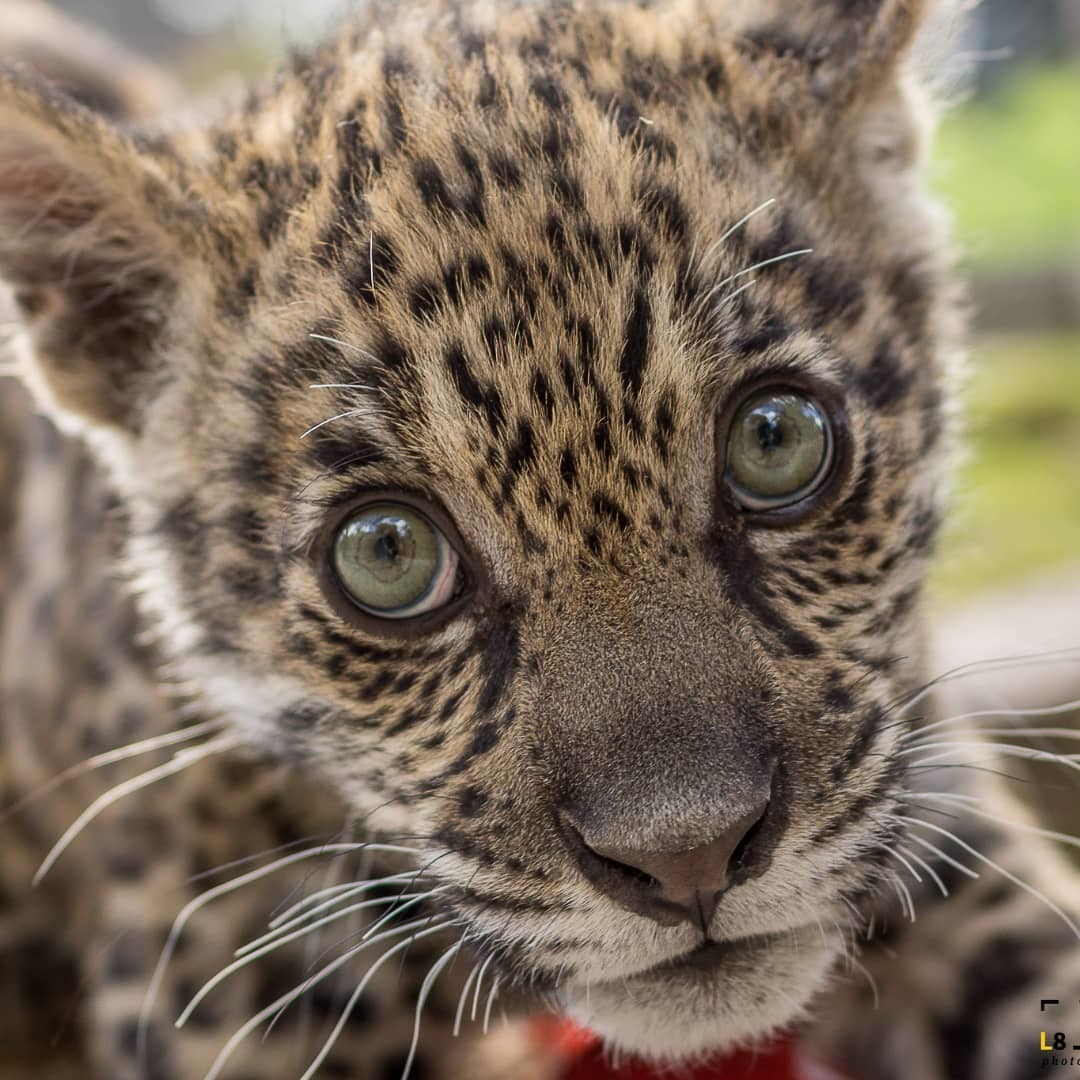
(770, 433)
(777, 445)
(387, 557)
(391, 544)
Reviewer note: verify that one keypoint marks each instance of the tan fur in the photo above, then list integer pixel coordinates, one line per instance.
(519, 264)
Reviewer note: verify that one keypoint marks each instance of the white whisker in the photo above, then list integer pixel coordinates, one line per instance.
(464, 998)
(1048, 710)
(759, 266)
(350, 1005)
(306, 920)
(181, 760)
(744, 219)
(954, 863)
(1028, 753)
(345, 345)
(911, 869)
(736, 227)
(359, 886)
(906, 902)
(490, 1002)
(421, 1001)
(480, 979)
(976, 667)
(287, 999)
(933, 874)
(111, 757)
(412, 900)
(1042, 897)
(199, 902)
(263, 950)
(1020, 826)
(331, 419)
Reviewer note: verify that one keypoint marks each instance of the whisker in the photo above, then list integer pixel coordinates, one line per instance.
(111, 757)
(233, 864)
(759, 266)
(1042, 897)
(330, 419)
(412, 900)
(480, 979)
(464, 998)
(1020, 826)
(933, 874)
(254, 954)
(350, 1005)
(367, 846)
(1029, 753)
(735, 228)
(181, 760)
(1046, 710)
(345, 345)
(421, 1001)
(318, 900)
(285, 931)
(741, 289)
(288, 998)
(906, 902)
(490, 1002)
(976, 667)
(195, 905)
(900, 858)
(944, 857)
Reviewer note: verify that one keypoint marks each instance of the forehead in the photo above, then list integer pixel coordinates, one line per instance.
(540, 279)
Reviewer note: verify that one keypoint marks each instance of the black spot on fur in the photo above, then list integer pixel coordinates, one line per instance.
(665, 209)
(485, 398)
(424, 299)
(434, 192)
(635, 350)
(884, 383)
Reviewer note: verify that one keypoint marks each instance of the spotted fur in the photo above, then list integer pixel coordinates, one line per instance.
(520, 264)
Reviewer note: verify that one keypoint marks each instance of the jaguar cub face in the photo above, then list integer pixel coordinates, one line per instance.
(535, 431)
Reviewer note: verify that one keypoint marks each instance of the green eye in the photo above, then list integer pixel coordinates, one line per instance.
(394, 563)
(779, 449)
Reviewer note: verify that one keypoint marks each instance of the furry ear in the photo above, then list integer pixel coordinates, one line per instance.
(92, 241)
(83, 62)
(836, 51)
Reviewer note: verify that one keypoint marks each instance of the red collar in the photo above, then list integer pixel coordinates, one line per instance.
(583, 1056)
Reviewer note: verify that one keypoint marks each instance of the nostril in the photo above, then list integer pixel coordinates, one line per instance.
(631, 873)
(743, 850)
(669, 882)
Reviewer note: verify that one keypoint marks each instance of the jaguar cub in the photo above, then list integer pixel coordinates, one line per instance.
(524, 431)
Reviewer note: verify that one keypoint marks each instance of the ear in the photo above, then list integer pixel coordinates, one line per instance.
(93, 242)
(837, 53)
(83, 62)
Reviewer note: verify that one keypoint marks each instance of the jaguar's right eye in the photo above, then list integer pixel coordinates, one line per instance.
(394, 563)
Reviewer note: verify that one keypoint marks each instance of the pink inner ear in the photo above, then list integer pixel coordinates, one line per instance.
(35, 180)
(25, 182)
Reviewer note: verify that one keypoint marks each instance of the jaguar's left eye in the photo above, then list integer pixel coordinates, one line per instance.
(393, 562)
(779, 449)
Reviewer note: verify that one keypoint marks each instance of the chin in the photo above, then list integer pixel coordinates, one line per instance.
(713, 999)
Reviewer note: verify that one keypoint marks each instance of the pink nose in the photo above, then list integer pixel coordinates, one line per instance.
(670, 886)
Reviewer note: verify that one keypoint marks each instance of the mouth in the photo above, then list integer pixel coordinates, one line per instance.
(710, 957)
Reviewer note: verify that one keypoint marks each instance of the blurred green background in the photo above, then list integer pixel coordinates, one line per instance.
(1008, 164)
